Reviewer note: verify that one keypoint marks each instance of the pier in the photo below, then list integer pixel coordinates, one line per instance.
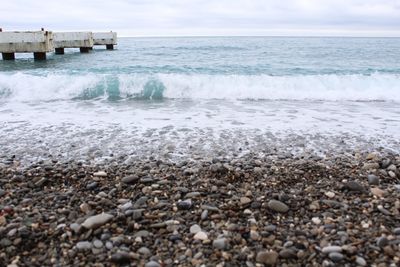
(109, 39)
(37, 42)
(41, 42)
(81, 40)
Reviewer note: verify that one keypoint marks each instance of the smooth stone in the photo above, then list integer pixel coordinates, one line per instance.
(97, 220)
(204, 215)
(330, 194)
(152, 264)
(270, 228)
(373, 179)
(245, 200)
(126, 206)
(97, 244)
(92, 186)
(382, 241)
(354, 186)
(195, 228)
(121, 258)
(200, 236)
(396, 231)
(220, 243)
(144, 251)
(193, 194)
(361, 261)
(100, 174)
(142, 233)
(184, 205)
(130, 179)
(267, 257)
(336, 256)
(288, 253)
(330, 249)
(84, 245)
(316, 220)
(278, 206)
(76, 227)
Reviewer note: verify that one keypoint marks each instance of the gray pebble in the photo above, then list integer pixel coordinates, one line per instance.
(84, 245)
(336, 256)
(278, 206)
(360, 261)
(152, 264)
(220, 243)
(130, 179)
(373, 179)
(382, 241)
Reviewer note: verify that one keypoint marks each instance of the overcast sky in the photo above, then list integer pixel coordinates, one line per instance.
(207, 17)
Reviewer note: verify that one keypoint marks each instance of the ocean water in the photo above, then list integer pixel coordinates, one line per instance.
(188, 97)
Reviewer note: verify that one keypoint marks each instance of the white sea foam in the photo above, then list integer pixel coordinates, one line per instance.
(28, 87)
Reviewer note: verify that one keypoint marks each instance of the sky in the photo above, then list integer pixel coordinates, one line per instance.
(207, 17)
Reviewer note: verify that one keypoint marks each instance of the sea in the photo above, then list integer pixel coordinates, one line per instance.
(183, 98)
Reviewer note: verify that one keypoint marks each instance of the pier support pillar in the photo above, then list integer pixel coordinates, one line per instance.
(60, 51)
(39, 56)
(84, 49)
(109, 47)
(8, 56)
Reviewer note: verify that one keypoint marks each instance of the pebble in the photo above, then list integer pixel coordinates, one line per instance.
(130, 179)
(316, 220)
(220, 243)
(382, 241)
(396, 231)
(200, 236)
(100, 174)
(360, 261)
(144, 251)
(204, 215)
(336, 256)
(97, 244)
(97, 220)
(184, 205)
(330, 194)
(195, 228)
(278, 206)
(373, 179)
(354, 186)
(330, 249)
(245, 200)
(84, 245)
(288, 253)
(121, 257)
(267, 257)
(75, 227)
(152, 264)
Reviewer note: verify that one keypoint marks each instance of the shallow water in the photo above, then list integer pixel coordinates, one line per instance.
(178, 97)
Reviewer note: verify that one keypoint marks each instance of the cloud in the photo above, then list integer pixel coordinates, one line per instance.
(206, 17)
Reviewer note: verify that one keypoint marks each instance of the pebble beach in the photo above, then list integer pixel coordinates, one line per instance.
(275, 210)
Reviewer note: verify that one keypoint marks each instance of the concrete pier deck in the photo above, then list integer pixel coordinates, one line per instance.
(37, 42)
(41, 42)
(81, 40)
(109, 39)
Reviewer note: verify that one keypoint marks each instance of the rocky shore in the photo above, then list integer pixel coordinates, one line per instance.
(249, 210)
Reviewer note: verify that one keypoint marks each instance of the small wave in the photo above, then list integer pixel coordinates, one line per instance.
(28, 87)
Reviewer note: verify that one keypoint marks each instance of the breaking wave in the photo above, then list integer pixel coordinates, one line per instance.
(28, 87)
